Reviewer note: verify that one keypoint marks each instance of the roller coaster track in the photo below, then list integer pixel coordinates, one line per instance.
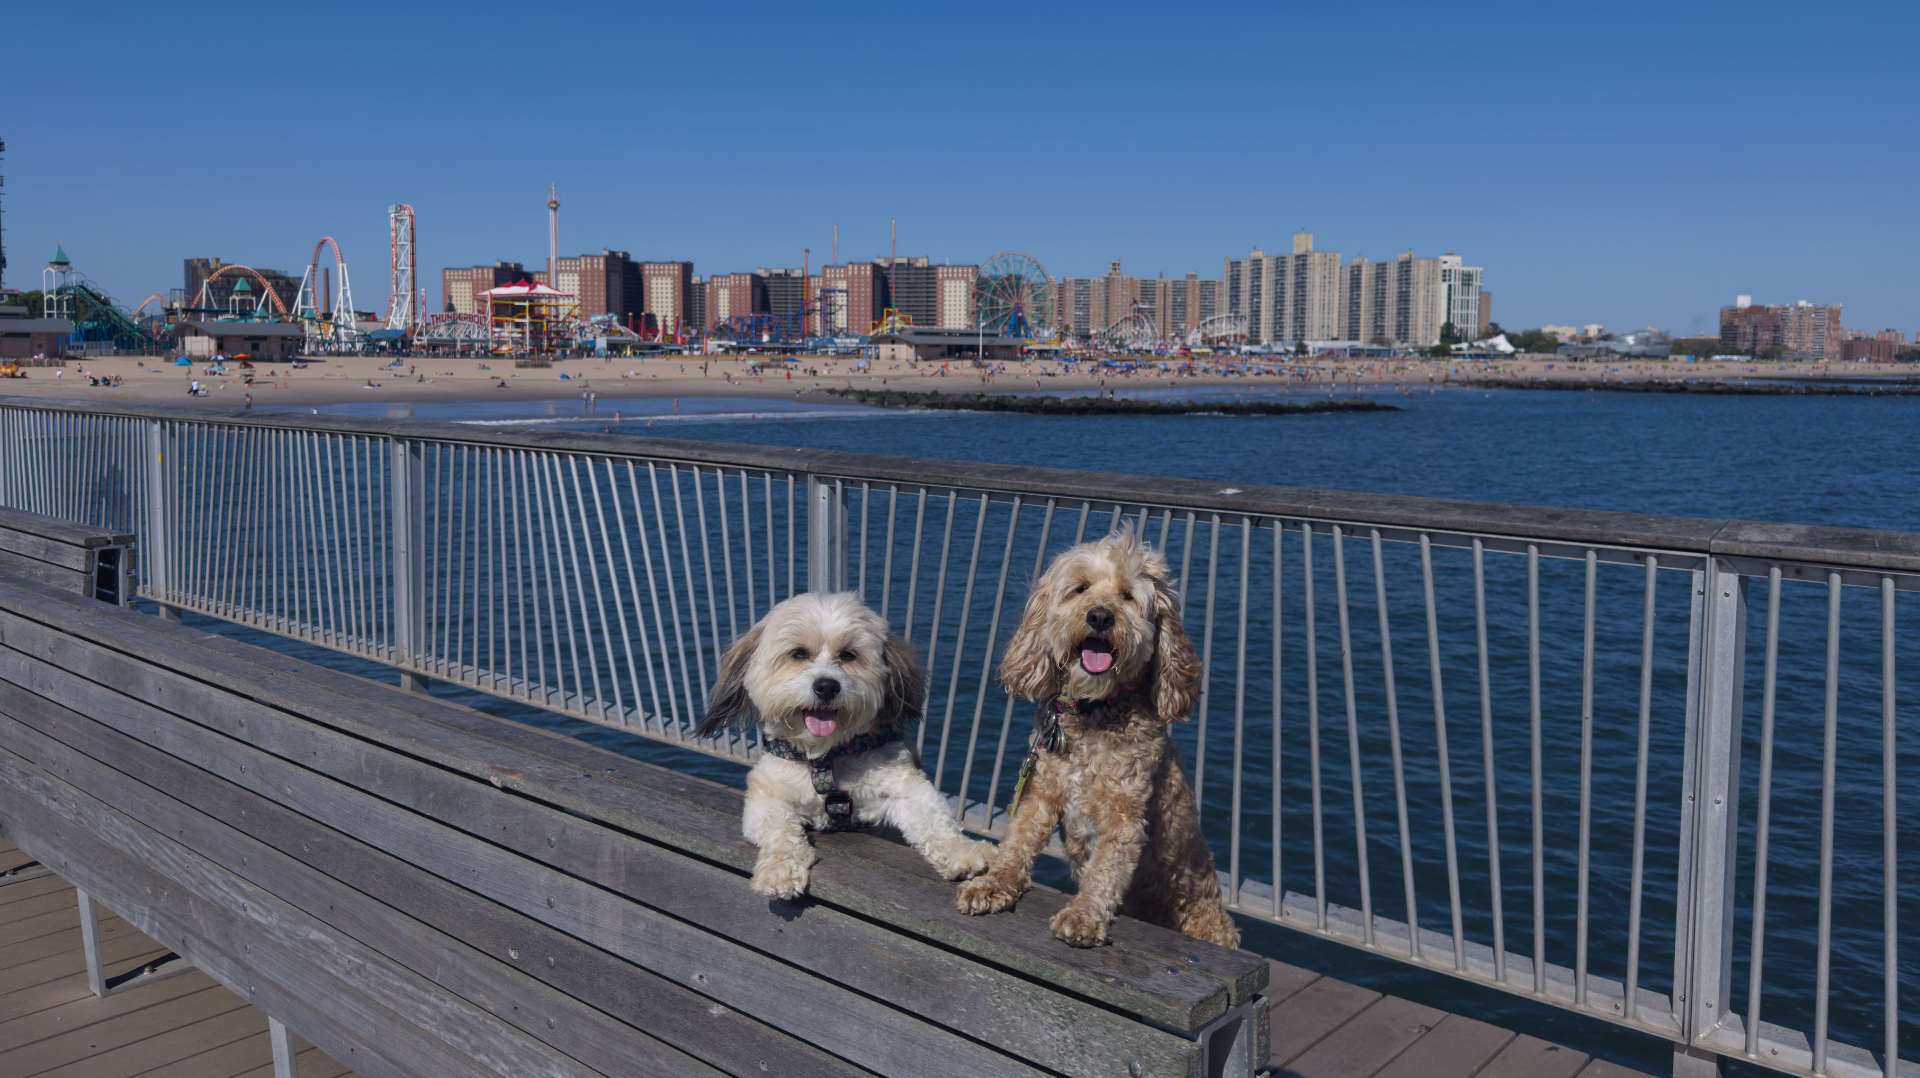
(123, 329)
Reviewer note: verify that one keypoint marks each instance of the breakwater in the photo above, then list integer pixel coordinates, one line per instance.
(1102, 406)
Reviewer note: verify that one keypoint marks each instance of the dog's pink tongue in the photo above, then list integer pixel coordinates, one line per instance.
(1095, 662)
(821, 723)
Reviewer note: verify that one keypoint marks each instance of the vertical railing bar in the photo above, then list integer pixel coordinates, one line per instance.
(1006, 716)
(1762, 827)
(1205, 703)
(860, 578)
(726, 547)
(1353, 734)
(1533, 715)
(766, 506)
(933, 631)
(686, 560)
(793, 529)
(220, 593)
(583, 553)
(1313, 730)
(437, 597)
(1486, 761)
(1889, 833)
(639, 616)
(1393, 740)
(913, 579)
(1586, 786)
(1275, 845)
(960, 652)
(1239, 703)
(717, 641)
(555, 517)
(986, 665)
(1824, 940)
(1080, 531)
(1186, 566)
(530, 629)
(666, 571)
(1441, 756)
(672, 715)
(1636, 885)
(322, 484)
(746, 542)
(348, 493)
(886, 562)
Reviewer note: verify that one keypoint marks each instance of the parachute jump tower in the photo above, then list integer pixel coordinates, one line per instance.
(403, 269)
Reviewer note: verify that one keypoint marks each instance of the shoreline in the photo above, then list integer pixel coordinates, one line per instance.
(335, 380)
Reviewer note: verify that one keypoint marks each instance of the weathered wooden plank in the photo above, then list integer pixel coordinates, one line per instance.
(151, 1021)
(1367, 1041)
(1531, 1057)
(30, 890)
(69, 982)
(1012, 1014)
(1456, 1048)
(24, 525)
(310, 1063)
(498, 984)
(21, 567)
(45, 551)
(31, 961)
(78, 1014)
(1309, 1015)
(166, 1046)
(850, 1025)
(225, 1061)
(1604, 1068)
(184, 902)
(51, 900)
(1284, 980)
(13, 858)
(1132, 975)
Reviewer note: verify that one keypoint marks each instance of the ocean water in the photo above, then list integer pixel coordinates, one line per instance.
(1818, 460)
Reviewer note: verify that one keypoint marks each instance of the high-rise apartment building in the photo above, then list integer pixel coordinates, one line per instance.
(697, 305)
(953, 296)
(459, 285)
(734, 295)
(911, 289)
(664, 288)
(1292, 297)
(607, 283)
(853, 296)
(1807, 330)
(1461, 283)
(786, 295)
(1486, 314)
(1403, 301)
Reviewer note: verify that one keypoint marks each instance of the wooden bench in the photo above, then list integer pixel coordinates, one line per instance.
(68, 556)
(418, 888)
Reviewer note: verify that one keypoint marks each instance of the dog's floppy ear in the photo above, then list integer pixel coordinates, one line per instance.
(1028, 668)
(729, 701)
(906, 684)
(1176, 667)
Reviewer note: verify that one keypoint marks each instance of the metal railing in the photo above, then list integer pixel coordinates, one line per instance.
(1534, 749)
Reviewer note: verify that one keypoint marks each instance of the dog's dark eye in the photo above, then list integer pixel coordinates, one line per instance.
(1128, 597)
(797, 653)
(1080, 589)
(848, 655)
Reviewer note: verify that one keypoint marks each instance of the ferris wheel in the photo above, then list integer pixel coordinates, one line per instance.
(1014, 296)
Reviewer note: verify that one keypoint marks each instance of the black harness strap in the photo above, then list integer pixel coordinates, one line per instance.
(839, 803)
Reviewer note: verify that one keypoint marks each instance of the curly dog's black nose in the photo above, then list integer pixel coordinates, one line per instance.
(1100, 619)
(826, 688)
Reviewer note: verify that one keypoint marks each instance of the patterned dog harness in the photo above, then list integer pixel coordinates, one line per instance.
(839, 802)
(1047, 735)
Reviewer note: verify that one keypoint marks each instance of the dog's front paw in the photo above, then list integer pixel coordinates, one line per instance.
(960, 858)
(985, 895)
(1080, 927)
(781, 875)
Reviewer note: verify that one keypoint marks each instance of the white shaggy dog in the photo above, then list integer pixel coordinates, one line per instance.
(833, 691)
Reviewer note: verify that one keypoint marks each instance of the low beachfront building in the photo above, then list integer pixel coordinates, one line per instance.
(922, 343)
(255, 340)
(22, 337)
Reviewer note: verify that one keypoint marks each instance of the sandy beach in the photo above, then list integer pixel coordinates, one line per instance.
(335, 379)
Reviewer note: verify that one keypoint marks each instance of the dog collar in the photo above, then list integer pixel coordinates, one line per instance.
(839, 803)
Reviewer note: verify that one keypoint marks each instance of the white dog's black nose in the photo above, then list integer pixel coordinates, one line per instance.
(826, 688)
(1100, 619)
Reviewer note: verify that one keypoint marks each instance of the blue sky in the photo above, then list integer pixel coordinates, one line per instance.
(1625, 164)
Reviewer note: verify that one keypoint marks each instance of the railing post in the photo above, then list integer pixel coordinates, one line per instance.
(90, 943)
(282, 1045)
(407, 480)
(155, 563)
(1709, 814)
(826, 535)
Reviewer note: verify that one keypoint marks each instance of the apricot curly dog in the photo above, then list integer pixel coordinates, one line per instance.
(1101, 643)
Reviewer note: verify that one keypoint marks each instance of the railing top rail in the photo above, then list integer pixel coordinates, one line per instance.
(1842, 547)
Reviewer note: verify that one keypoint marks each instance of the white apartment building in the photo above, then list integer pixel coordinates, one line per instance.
(1461, 285)
(1292, 297)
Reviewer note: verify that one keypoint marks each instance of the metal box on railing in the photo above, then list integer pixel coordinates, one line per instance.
(68, 556)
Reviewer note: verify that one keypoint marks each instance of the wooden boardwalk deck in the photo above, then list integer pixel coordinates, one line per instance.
(165, 1025)
(1325, 1028)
